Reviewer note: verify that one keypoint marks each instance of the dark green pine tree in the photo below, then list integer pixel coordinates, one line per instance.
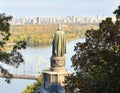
(97, 60)
(13, 57)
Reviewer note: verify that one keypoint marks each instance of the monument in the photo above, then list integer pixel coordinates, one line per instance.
(53, 79)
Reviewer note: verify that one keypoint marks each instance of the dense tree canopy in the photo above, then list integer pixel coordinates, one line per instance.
(97, 60)
(13, 57)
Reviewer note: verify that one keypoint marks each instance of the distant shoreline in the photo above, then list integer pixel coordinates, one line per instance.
(42, 35)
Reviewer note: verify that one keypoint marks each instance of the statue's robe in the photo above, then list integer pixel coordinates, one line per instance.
(59, 44)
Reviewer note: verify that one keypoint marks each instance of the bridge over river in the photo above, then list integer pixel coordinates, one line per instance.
(26, 71)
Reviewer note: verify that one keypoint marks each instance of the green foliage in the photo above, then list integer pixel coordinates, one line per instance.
(117, 12)
(33, 87)
(97, 61)
(13, 57)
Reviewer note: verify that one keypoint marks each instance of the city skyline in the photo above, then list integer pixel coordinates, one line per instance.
(48, 8)
(58, 20)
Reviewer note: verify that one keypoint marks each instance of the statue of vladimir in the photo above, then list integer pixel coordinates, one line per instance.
(59, 43)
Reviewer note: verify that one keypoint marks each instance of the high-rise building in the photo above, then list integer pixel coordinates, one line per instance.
(24, 20)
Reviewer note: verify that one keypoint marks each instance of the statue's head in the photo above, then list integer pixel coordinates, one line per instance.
(59, 28)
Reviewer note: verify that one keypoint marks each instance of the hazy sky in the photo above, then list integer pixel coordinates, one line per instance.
(47, 8)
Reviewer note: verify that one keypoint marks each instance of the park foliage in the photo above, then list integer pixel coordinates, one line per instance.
(97, 60)
(12, 57)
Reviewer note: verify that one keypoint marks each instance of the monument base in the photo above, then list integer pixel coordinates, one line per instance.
(53, 82)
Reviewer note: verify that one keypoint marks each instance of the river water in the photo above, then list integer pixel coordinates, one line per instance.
(32, 56)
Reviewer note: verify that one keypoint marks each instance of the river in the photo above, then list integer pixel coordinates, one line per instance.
(31, 54)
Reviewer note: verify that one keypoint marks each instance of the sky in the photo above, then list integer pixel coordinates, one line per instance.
(50, 8)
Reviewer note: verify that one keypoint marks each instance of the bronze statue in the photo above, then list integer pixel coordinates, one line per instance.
(59, 43)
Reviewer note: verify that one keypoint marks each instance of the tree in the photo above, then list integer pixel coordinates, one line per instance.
(117, 12)
(12, 57)
(33, 87)
(97, 60)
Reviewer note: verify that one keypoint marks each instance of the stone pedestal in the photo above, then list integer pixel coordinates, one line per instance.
(57, 64)
(54, 78)
(54, 81)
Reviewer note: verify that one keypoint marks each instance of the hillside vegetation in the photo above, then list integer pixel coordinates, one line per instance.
(42, 35)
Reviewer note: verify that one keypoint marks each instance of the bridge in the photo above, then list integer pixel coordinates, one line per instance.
(20, 76)
(30, 73)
